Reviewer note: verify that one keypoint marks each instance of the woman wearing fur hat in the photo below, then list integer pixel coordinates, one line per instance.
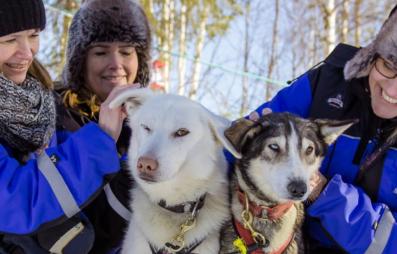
(355, 210)
(109, 44)
(44, 185)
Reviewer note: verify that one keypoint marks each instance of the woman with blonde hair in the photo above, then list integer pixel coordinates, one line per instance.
(46, 176)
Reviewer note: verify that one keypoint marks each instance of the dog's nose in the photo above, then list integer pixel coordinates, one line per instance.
(147, 165)
(297, 188)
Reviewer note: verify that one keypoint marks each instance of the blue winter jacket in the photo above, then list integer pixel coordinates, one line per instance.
(357, 217)
(54, 186)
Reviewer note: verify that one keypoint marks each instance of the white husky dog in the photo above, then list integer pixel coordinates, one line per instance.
(180, 200)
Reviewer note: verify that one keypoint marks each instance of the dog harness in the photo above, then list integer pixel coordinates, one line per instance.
(249, 240)
(186, 250)
(177, 244)
(273, 213)
(184, 207)
(249, 244)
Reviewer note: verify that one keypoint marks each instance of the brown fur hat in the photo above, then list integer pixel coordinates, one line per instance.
(385, 45)
(106, 21)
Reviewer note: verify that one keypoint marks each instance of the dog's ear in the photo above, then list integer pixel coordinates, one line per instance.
(331, 129)
(132, 99)
(218, 126)
(240, 131)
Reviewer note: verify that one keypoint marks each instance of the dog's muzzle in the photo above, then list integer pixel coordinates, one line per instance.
(147, 168)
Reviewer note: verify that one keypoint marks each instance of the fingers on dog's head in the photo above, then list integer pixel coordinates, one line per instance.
(131, 98)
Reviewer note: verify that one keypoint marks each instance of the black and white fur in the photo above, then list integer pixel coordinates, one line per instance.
(280, 152)
(175, 156)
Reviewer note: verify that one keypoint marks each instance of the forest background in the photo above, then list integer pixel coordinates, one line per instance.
(232, 55)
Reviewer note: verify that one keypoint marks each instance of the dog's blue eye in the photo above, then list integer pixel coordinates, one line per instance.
(181, 132)
(274, 147)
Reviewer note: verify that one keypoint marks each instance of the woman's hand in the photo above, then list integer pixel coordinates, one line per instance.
(317, 184)
(111, 120)
(254, 116)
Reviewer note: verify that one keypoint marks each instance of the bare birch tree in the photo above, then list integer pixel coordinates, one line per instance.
(203, 14)
(54, 51)
(328, 13)
(344, 14)
(273, 51)
(182, 48)
(246, 55)
(357, 22)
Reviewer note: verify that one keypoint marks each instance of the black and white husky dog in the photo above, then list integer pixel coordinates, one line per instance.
(280, 153)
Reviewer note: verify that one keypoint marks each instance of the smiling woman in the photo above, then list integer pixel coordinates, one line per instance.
(383, 87)
(108, 48)
(109, 45)
(16, 53)
(355, 202)
(110, 64)
(43, 170)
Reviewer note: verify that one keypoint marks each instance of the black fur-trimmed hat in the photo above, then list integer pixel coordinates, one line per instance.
(106, 21)
(20, 15)
(385, 45)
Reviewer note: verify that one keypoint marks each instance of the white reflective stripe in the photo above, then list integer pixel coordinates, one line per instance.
(382, 233)
(116, 205)
(59, 245)
(58, 185)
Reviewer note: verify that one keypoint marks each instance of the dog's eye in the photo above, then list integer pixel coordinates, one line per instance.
(146, 128)
(274, 147)
(309, 150)
(181, 132)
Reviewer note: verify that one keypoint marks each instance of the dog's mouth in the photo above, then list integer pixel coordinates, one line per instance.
(147, 177)
(292, 198)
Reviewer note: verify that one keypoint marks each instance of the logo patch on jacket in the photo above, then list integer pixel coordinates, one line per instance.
(54, 158)
(336, 101)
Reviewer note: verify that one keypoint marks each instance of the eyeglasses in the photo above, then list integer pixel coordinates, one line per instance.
(385, 68)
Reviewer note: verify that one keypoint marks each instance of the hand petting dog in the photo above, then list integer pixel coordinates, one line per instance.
(317, 184)
(111, 119)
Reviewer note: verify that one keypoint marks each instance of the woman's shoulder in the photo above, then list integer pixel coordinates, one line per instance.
(341, 54)
(328, 74)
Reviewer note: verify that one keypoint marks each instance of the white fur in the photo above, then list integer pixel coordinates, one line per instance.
(188, 167)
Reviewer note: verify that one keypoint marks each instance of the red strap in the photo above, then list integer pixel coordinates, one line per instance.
(278, 211)
(248, 240)
(245, 234)
(273, 213)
